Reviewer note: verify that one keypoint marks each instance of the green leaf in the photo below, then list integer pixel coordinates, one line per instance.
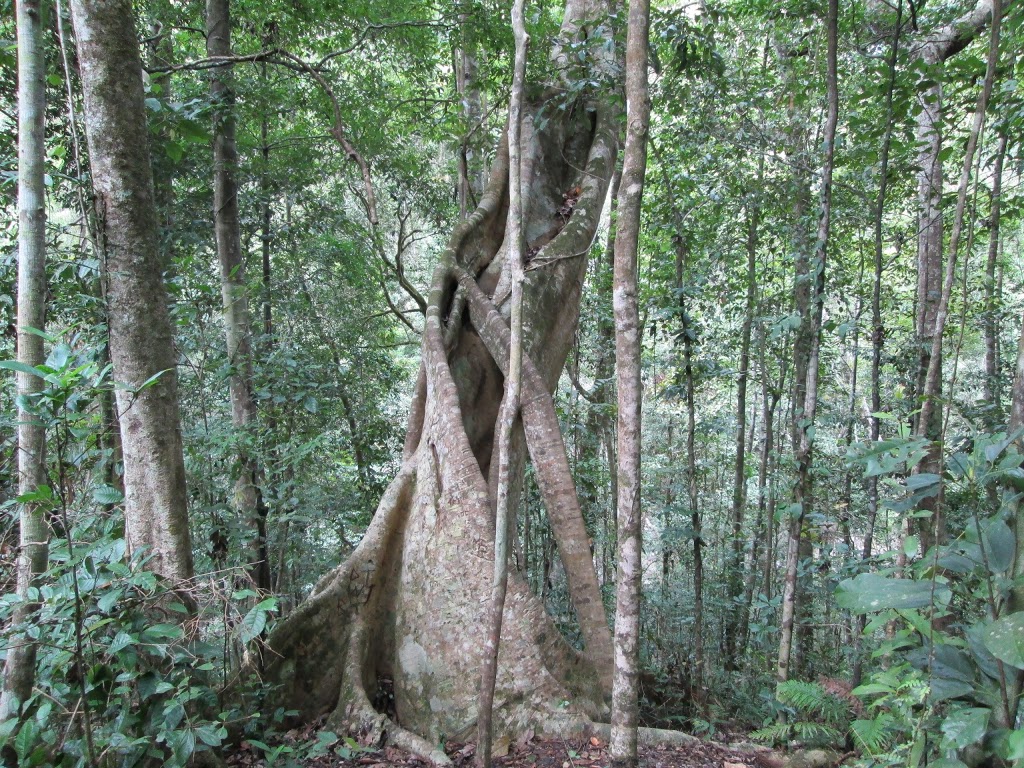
(108, 600)
(911, 545)
(964, 727)
(183, 744)
(923, 480)
(1005, 639)
(26, 739)
(310, 404)
(1015, 745)
(107, 494)
(943, 689)
(869, 689)
(253, 624)
(209, 735)
(161, 632)
(870, 592)
(1000, 545)
(121, 640)
(14, 365)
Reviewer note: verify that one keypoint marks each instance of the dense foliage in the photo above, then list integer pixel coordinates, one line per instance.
(906, 655)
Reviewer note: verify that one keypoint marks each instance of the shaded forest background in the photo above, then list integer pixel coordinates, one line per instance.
(364, 133)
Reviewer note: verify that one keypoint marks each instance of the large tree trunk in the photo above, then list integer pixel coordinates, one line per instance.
(141, 341)
(409, 603)
(20, 665)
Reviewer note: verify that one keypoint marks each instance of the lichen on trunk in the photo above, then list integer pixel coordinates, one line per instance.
(408, 605)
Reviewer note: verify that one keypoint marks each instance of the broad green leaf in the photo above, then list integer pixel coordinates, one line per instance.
(253, 624)
(943, 689)
(870, 592)
(183, 744)
(1015, 745)
(26, 739)
(1005, 639)
(923, 480)
(161, 632)
(963, 727)
(107, 494)
(1000, 545)
(209, 735)
(14, 365)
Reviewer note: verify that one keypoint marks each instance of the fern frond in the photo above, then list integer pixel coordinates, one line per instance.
(773, 734)
(873, 736)
(813, 699)
(816, 734)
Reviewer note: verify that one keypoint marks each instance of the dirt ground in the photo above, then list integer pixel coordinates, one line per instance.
(527, 754)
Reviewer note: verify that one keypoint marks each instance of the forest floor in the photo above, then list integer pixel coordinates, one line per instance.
(527, 754)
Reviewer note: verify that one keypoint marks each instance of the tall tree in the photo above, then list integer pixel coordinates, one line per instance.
(247, 500)
(20, 665)
(625, 687)
(141, 341)
(805, 416)
(509, 412)
(934, 50)
(417, 581)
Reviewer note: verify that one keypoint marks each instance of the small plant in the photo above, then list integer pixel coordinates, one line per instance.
(814, 716)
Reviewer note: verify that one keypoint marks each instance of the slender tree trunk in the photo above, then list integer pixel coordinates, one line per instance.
(141, 337)
(763, 525)
(735, 586)
(247, 500)
(471, 173)
(930, 322)
(625, 686)
(693, 499)
(509, 413)
(20, 665)
(877, 330)
(993, 390)
(805, 418)
(1015, 599)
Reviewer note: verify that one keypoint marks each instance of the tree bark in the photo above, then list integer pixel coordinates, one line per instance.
(247, 500)
(735, 586)
(33, 550)
(141, 339)
(933, 51)
(410, 602)
(804, 427)
(509, 412)
(625, 688)
(992, 384)
(877, 330)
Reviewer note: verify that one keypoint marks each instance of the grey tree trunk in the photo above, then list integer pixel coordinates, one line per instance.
(20, 665)
(734, 628)
(141, 341)
(509, 412)
(410, 602)
(877, 329)
(993, 389)
(805, 423)
(934, 50)
(625, 687)
(247, 501)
